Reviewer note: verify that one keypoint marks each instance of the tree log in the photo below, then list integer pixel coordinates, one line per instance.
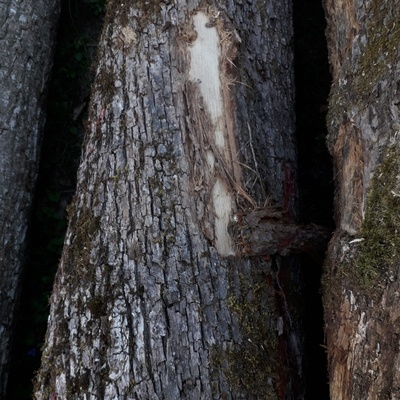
(27, 36)
(191, 118)
(362, 281)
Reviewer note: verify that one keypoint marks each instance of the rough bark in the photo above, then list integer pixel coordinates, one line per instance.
(191, 121)
(362, 286)
(27, 35)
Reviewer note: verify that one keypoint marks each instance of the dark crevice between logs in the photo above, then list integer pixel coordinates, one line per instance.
(312, 79)
(269, 232)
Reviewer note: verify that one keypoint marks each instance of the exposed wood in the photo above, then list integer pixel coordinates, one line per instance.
(27, 35)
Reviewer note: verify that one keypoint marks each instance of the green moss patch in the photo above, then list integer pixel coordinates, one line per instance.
(381, 50)
(77, 259)
(379, 252)
(251, 366)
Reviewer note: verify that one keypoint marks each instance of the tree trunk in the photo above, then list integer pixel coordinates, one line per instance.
(27, 35)
(191, 122)
(362, 286)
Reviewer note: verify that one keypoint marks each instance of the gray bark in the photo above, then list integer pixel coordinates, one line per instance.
(362, 282)
(27, 35)
(191, 120)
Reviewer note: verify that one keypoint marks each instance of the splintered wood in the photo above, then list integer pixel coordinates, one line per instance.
(349, 166)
